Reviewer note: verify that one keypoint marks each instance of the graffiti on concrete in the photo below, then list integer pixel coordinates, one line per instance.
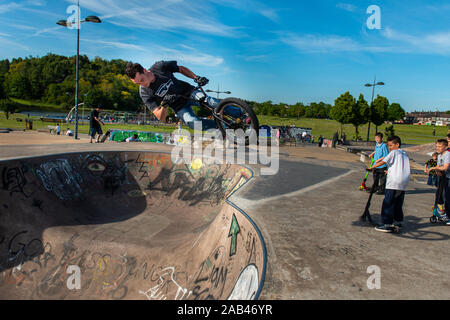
(246, 285)
(121, 135)
(105, 275)
(58, 176)
(234, 230)
(13, 180)
(112, 171)
(193, 184)
(159, 292)
(211, 277)
(239, 180)
(39, 267)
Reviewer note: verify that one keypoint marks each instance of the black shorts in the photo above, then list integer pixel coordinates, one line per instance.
(94, 130)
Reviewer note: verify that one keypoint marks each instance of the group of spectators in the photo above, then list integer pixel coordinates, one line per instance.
(69, 132)
(391, 173)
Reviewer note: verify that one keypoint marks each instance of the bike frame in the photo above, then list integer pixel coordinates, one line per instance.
(203, 103)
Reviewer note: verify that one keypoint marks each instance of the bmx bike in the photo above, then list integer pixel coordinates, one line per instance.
(231, 115)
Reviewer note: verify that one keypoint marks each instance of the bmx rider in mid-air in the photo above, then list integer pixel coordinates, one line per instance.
(159, 88)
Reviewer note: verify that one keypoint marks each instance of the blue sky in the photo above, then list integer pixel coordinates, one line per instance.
(284, 51)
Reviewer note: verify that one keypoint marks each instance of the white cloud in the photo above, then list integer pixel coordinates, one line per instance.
(22, 27)
(9, 7)
(388, 40)
(434, 43)
(117, 44)
(254, 58)
(347, 7)
(6, 44)
(190, 57)
(38, 3)
(320, 43)
(52, 30)
(250, 6)
(270, 14)
(147, 55)
(174, 15)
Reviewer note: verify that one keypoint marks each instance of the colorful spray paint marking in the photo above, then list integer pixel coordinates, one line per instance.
(234, 230)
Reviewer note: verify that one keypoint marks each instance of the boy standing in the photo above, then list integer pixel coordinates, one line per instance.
(397, 162)
(442, 170)
(379, 175)
(432, 176)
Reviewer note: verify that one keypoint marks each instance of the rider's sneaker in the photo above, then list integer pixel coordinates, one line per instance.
(385, 228)
(398, 224)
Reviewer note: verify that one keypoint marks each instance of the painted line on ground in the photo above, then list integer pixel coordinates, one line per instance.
(246, 203)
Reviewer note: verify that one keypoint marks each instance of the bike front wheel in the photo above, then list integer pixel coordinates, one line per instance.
(237, 121)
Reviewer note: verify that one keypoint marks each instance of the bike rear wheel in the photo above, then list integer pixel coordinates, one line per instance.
(237, 115)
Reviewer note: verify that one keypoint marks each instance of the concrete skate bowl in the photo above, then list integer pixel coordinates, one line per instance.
(126, 225)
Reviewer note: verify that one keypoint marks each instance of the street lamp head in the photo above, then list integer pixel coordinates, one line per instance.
(94, 19)
(227, 92)
(62, 23)
(368, 85)
(207, 90)
(380, 83)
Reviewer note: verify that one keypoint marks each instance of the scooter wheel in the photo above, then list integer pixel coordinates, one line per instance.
(433, 219)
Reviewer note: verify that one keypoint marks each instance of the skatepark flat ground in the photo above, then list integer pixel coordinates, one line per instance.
(308, 216)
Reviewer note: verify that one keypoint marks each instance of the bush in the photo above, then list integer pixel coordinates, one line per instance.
(389, 131)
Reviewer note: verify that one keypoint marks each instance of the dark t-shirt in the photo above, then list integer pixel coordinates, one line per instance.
(92, 122)
(431, 163)
(165, 83)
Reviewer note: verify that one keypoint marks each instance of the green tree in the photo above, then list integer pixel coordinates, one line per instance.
(361, 114)
(379, 110)
(17, 86)
(342, 109)
(395, 112)
(7, 106)
(347, 110)
(4, 68)
(2, 90)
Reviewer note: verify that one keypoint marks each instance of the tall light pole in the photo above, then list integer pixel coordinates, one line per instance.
(373, 91)
(227, 92)
(78, 23)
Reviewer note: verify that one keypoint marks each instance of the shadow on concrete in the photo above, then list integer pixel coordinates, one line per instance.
(425, 231)
(421, 191)
(274, 185)
(413, 228)
(44, 192)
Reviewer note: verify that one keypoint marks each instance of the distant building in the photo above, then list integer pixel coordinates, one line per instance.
(427, 118)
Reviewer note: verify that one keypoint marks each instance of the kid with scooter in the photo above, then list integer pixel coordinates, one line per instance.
(442, 203)
(397, 162)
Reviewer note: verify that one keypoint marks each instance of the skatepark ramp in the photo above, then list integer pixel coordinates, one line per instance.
(126, 225)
